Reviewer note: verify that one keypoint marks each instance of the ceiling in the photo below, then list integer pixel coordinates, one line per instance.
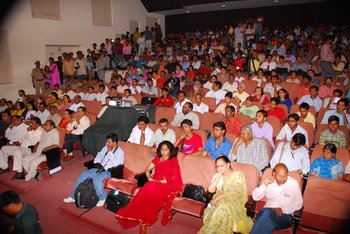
(176, 7)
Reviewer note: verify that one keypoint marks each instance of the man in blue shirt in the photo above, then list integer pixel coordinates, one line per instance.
(218, 144)
(110, 156)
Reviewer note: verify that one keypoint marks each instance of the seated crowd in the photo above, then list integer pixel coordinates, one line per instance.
(294, 79)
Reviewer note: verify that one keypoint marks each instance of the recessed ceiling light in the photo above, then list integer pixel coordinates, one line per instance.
(223, 5)
(187, 11)
(276, 1)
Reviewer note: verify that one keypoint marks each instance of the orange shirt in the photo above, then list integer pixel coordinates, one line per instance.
(233, 125)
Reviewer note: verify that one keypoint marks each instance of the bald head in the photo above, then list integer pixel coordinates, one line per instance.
(280, 172)
(280, 166)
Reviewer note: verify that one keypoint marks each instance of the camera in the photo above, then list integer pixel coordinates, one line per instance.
(99, 167)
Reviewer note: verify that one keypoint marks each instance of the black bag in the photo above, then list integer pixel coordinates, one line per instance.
(115, 201)
(141, 179)
(195, 192)
(85, 195)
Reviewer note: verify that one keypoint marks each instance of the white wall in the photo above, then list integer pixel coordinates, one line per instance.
(28, 36)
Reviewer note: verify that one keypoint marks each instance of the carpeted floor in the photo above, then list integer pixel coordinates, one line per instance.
(57, 217)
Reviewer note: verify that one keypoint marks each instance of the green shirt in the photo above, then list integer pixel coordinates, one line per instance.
(27, 221)
(249, 111)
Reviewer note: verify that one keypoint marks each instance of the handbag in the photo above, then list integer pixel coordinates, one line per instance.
(141, 179)
(195, 192)
(116, 200)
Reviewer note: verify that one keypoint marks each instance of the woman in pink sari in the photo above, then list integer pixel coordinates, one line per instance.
(53, 75)
(160, 191)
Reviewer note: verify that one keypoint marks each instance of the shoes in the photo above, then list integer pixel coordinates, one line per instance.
(37, 176)
(143, 228)
(100, 203)
(4, 170)
(19, 176)
(67, 157)
(68, 200)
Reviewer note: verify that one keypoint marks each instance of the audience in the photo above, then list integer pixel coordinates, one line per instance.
(163, 133)
(187, 113)
(340, 112)
(141, 134)
(261, 128)
(333, 134)
(189, 142)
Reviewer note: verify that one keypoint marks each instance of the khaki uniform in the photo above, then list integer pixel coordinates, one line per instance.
(38, 80)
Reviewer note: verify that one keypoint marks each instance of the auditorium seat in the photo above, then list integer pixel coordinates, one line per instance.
(207, 120)
(250, 85)
(342, 154)
(310, 131)
(137, 158)
(165, 112)
(211, 102)
(295, 109)
(93, 107)
(203, 134)
(198, 171)
(275, 123)
(244, 119)
(284, 107)
(326, 206)
(320, 115)
(292, 89)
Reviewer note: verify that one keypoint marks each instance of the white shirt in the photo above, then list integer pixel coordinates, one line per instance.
(178, 106)
(79, 128)
(294, 160)
(317, 102)
(135, 90)
(230, 87)
(102, 97)
(32, 137)
(208, 85)
(159, 137)
(202, 108)
(135, 135)
(130, 98)
(47, 139)
(75, 106)
(191, 116)
(43, 116)
(239, 79)
(286, 133)
(71, 94)
(56, 118)
(218, 95)
(29, 113)
(16, 133)
(286, 196)
(268, 65)
(332, 106)
(89, 96)
(109, 159)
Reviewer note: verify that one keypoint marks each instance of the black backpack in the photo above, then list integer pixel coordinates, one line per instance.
(85, 195)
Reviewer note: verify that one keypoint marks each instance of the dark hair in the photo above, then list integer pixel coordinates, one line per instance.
(33, 105)
(186, 121)
(6, 112)
(220, 125)
(165, 89)
(229, 94)
(262, 90)
(294, 116)
(69, 97)
(170, 146)
(338, 91)
(304, 105)
(224, 158)
(331, 147)
(308, 78)
(149, 79)
(143, 119)
(54, 94)
(299, 139)
(263, 112)
(21, 105)
(70, 112)
(9, 197)
(83, 108)
(333, 118)
(36, 120)
(183, 92)
(218, 83)
(113, 136)
(275, 99)
(345, 101)
(128, 90)
(163, 120)
(286, 93)
(233, 109)
(314, 87)
(51, 123)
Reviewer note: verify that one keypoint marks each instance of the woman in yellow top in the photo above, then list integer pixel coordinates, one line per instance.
(226, 213)
(53, 100)
(20, 107)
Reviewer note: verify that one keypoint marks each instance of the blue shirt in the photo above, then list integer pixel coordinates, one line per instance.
(224, 147)
(329, 169)
(287, 102)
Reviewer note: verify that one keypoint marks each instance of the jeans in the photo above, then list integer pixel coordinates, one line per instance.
(267, 221)
(327, 69)
(69, 141)
(97, 180)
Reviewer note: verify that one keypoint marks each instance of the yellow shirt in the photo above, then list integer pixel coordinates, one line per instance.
(310, 118)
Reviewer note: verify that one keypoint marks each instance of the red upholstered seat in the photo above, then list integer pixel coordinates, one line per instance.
(326, 205)
(137, 158)
(194, 170)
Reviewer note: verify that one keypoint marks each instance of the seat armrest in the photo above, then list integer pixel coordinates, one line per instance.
(117, 172)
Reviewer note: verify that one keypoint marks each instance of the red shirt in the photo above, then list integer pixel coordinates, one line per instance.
(277, 112)
(233, 126)
(203, 71)
(160, 82)
(303, 91)
(192, 145)
(167, 102)
(239, 63)
(118, 48)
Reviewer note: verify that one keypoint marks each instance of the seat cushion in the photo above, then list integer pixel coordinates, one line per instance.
(188, 206)
(123, 185)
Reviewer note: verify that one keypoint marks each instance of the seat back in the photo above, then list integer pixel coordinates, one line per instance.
(165, 112)
(310, 131)
(92, 117)
(284, 107)
(320, 115)
(92, 106)
(326, 205)
(138, 97)
(197, 170)
(275, 123)
(137, 158)
(342, 154)
(250, 85)
(322, 127)
(292, 89)
(211, 102)
(231, 137)
(244, 119)
(203, 134)
(251, 174)
(208, 119)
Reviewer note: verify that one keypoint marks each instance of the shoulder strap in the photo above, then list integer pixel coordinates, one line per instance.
(282, 151)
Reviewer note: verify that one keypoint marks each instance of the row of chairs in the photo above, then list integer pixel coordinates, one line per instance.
(199, 171)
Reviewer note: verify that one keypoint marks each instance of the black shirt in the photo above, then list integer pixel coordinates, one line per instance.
(27, 221)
